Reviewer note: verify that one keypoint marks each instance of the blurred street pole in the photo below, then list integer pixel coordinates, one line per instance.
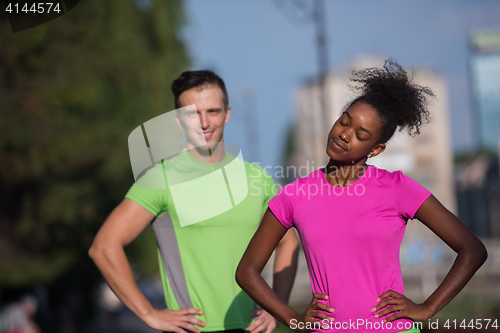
(250, 123)
(321, 47)
(300, 11)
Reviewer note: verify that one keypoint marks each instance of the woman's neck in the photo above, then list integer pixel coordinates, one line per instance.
(342, 174)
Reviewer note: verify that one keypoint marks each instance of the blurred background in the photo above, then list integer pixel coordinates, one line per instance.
(72, 90)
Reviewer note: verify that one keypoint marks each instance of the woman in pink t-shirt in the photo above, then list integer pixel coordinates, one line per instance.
(351, 218)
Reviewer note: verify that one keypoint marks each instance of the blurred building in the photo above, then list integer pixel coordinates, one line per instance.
(478, 179)
(478, 193)
(485, 79)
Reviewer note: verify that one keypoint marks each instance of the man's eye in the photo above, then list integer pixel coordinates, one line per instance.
(341, 123)
(359, 138)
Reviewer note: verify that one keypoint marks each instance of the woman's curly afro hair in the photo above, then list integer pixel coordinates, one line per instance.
(391, 92)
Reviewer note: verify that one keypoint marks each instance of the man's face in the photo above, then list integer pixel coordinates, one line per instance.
(206, 123)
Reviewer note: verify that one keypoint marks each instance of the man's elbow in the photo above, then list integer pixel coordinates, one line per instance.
(96, 251)
(93, 251)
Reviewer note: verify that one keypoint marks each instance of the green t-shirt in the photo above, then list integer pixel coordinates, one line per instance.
(204, 221)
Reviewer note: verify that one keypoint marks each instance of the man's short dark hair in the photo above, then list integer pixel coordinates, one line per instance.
(197, 79)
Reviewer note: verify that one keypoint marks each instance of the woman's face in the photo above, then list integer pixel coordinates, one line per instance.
(354, 134)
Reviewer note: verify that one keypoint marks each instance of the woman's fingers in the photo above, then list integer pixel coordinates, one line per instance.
(321, 315)
(389, 309)
(323, 307)
(387, 302)
(389, 293)
(318, 296)
(395, 316)
(398, 306)
(314, 312)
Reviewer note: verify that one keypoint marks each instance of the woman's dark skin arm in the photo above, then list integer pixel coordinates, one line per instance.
(248, 275)
(471, 255)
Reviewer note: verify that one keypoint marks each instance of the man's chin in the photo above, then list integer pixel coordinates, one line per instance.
(213, 144)
(206, 145)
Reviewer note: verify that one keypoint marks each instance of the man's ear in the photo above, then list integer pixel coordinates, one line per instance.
(379, 148)
(228, 114)
(178, 119)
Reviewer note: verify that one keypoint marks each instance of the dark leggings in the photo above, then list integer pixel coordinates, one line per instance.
(240, 330)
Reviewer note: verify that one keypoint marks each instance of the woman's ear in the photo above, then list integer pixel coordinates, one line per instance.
(379, 148)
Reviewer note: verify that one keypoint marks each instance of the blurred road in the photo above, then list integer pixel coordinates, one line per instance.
(116, 318)
(124, 322)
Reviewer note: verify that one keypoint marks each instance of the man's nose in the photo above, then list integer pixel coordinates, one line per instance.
(204, 122)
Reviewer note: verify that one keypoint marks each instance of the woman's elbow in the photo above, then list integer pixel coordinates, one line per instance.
(477, 252)
(483, 254)
(244, 275)
(240, 276)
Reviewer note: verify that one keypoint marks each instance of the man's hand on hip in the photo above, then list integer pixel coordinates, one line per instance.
(174, 320)
(263, 321)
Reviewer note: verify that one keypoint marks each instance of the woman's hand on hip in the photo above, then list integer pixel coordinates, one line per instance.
(313, 314)
(401, 307)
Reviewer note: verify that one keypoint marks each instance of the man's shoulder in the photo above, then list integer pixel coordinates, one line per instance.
(253, 165)
(153, 178)
(255, 170)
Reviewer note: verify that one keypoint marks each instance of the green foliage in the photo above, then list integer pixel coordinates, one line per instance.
(71, 92)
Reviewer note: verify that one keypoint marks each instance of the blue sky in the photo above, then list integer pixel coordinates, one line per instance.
(253, 45)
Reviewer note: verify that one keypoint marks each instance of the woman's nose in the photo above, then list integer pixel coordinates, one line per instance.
(344, 136)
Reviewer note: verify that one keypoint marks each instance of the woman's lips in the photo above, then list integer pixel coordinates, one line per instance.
(338, 146)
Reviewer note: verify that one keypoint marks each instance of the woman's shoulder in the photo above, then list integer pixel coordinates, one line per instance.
(312, 177)
(302, 180)
(384, 175)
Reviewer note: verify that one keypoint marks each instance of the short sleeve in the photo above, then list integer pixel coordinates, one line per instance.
(410, 195)
(270, 190)
(282, 205)
(153, 200)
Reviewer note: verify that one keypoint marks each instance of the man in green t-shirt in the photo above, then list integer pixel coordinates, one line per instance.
(205, 206)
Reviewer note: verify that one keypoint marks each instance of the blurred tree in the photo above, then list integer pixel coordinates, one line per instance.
(71, 91)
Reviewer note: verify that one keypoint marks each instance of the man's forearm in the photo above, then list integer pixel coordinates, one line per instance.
(285, 265)
(115, 268)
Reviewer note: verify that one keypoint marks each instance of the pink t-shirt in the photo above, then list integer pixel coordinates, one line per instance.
(351, 237)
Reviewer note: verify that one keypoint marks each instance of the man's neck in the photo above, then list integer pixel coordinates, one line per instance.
(211, 153)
